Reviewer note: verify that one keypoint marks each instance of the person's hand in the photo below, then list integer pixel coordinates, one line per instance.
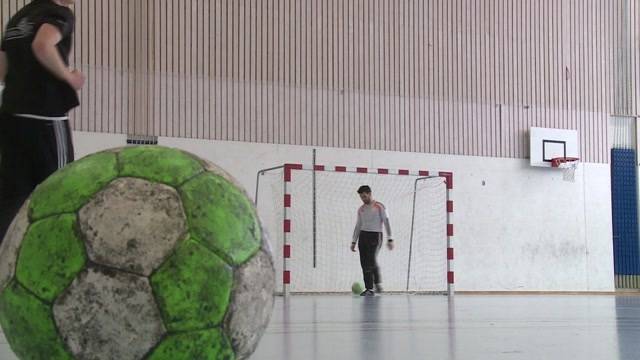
(76, 79)
(353, 247)
(390, 244)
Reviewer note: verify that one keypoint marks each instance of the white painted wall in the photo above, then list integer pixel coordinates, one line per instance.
(517, 228)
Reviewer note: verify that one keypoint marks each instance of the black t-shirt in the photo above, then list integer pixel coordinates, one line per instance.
(29, 87)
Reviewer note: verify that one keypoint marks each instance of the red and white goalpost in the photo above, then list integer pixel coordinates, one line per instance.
(310, 212)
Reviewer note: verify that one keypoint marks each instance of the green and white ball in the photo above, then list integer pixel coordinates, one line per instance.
(136, 253)
(357, 288)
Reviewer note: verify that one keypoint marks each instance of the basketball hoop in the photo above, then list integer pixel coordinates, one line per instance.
(568, 166)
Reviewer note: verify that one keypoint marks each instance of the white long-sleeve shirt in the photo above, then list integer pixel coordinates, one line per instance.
(371, 217)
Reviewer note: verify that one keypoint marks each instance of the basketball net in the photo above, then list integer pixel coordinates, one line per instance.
(568, 166)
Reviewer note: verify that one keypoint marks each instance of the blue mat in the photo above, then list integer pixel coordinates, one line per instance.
(624, 188)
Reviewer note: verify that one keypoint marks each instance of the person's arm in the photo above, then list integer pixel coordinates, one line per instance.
(385, 220)
(45, 50)
(387, 227)
(4, 66)
(356, 232)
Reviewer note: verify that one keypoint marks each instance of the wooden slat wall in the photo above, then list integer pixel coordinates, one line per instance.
(439, 76)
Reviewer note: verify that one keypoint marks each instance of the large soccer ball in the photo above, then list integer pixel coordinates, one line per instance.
(132, 253)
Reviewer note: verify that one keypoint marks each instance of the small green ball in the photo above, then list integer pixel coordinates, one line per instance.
(357, 288)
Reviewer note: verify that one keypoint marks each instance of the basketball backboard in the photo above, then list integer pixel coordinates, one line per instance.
(546, 144)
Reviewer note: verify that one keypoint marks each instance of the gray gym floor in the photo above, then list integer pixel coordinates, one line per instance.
(469, 327)
(433, 327)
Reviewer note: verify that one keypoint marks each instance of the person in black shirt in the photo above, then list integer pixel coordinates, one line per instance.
(39, 91)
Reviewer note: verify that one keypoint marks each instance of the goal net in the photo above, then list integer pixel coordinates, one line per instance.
(310, 222)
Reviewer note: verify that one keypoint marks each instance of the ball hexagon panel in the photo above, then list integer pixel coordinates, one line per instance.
(51, 256)
(245, 322)
(221, 217)
(193, 288)
(158, 164)
(203, 345)
(11, 245)
(29, 326)
(68, 189)
(108, 314)
(133, 225)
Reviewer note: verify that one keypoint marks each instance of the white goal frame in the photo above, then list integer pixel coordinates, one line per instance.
(289, 171)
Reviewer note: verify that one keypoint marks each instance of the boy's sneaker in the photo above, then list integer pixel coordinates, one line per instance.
(379, 288)
(368, 292)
